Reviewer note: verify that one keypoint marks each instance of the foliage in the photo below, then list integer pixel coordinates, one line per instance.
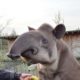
(16, 66)
(58, 18)
(3, 26)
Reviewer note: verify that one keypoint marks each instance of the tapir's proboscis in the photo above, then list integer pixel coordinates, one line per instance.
(45, 46)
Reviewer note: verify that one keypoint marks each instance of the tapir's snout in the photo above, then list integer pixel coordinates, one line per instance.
(26, 53)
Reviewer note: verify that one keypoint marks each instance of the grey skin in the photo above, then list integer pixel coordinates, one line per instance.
(45, 46)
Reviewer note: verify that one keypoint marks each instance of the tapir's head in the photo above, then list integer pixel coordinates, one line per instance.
(38, 46)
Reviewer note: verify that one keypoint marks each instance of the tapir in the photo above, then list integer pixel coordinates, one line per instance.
(46, 46)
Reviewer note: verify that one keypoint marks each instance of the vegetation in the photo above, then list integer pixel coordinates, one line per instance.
(16, 66)
(58, 18)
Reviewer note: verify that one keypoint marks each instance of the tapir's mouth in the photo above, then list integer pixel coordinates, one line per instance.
(30, 62)
(26, 56)
(27, 60)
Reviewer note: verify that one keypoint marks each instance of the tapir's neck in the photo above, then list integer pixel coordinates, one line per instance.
(50, 69)
(61, 48)
(65, 64)
(67, 59)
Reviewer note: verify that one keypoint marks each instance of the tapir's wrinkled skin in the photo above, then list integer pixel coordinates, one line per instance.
(45, 46)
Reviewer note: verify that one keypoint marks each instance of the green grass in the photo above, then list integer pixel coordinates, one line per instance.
(16, 66)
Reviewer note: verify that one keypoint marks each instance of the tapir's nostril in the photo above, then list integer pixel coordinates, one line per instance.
(33, 50)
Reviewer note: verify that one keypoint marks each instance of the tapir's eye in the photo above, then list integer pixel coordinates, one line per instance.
(44, 41)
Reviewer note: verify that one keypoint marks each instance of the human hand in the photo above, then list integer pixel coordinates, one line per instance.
(25, 76)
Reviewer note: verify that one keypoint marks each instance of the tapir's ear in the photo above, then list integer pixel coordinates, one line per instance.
(59, 31)
(30, 28)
